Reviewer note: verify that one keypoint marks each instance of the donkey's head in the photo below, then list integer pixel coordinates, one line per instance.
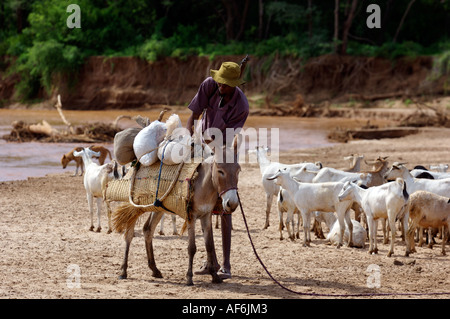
(225, 173)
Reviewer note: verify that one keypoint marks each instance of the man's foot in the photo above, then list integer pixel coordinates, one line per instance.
(203, 270)
(224, 273)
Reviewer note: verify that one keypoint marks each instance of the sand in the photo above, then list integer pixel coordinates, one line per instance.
(48, 252)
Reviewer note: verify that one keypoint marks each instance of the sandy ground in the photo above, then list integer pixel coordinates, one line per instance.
(45, 242)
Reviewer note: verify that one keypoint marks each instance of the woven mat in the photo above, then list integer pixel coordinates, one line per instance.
(145, 186)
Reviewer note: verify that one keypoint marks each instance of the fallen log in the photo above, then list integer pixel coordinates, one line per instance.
(372, 133)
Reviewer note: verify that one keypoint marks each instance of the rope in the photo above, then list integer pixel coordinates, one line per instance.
(323, 294)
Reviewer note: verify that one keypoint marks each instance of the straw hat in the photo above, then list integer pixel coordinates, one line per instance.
(229, 74)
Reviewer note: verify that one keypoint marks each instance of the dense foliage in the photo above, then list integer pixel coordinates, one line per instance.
(36, 31)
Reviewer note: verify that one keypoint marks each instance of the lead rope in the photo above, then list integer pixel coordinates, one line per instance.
(319, 294)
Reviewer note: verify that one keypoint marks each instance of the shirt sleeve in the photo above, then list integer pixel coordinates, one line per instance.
(204, 93)
(238, 120)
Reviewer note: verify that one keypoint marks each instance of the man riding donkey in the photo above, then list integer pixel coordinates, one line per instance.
(223, 105)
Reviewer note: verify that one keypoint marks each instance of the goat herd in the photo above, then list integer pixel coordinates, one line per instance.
(418, 199)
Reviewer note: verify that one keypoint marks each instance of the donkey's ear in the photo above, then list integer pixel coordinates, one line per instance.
(237, 142)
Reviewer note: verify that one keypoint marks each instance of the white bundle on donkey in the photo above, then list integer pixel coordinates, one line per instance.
(176, 147)
(169, 139)
(146, 142)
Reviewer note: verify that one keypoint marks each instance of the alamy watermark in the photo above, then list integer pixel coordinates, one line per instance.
(213, 139)
(374, 278)
(74, 19)
(374, 19)
(74, 278)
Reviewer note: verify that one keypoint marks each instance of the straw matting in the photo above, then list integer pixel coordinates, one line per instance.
(145, 187)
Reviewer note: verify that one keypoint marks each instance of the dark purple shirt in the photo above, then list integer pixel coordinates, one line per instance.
(231, 115)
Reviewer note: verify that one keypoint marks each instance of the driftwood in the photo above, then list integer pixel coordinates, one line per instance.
(371, 133)
(43, 128)
(89, 133)
(58, 106)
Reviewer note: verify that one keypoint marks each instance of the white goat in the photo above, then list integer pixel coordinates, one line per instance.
(436, 175)
(329, 174)
(95, 179)
(437, 186)
(285, 204)
(310, 197)
(384, 201)
(427, 210)
(355, 165)
(268, 168)
(439, 167)
(359, 233)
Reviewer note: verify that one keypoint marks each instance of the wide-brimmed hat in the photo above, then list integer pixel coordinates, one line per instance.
(229, 74)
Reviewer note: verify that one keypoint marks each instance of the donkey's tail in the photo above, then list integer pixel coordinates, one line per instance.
(125, 217)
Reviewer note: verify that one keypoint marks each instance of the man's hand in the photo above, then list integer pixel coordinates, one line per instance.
(190, 122)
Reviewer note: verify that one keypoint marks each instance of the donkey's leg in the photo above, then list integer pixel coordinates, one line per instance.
(211, 262)
(209, 243)
(192, 249)
(129, 234)
(149, 230)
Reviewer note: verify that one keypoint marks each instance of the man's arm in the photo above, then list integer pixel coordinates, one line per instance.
(190, 122)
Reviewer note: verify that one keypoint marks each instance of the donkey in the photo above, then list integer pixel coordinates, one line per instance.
(217, 178)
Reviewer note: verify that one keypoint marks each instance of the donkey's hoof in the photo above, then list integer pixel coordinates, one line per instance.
(91, 228)
(157, 274)
(99, 229)
(189, 282)
(123, 276)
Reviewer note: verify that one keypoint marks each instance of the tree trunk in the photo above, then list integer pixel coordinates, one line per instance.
(347, 25)
(236, 15)
(310, 19)
(336, 25)
(229, 22)
(261, 16)
(403, 20)
(243, 19)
